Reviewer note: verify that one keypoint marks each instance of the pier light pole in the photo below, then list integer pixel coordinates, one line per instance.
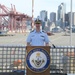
(71, 25)
(32, 24)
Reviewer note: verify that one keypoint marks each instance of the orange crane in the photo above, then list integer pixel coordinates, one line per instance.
(13, 18)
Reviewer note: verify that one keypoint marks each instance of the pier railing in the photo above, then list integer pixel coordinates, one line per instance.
(63, 60)
(12, 59)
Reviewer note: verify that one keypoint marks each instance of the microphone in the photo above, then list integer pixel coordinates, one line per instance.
(52, 44)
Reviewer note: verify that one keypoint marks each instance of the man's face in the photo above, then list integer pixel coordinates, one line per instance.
(38, 25)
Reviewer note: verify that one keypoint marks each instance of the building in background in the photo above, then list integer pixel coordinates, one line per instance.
(44, 18)
(43, 15)
(53, 17)
(61, 15)
(73, 20)
(52, 20)
(67, 20)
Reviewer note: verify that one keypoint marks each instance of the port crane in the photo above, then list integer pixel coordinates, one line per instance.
(12, 20)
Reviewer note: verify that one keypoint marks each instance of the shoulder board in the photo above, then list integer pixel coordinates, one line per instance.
(32, 31)
(43, 31)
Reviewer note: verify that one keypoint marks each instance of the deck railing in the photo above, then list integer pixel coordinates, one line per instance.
(12, 59)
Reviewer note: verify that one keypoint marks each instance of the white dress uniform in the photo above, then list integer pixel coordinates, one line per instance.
(37, 38)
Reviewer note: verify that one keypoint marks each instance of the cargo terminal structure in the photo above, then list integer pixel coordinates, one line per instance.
(11, 20)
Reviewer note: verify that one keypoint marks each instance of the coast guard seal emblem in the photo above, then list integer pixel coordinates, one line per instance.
(38, 60)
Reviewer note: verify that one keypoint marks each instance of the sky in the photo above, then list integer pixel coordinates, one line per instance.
(25, 6)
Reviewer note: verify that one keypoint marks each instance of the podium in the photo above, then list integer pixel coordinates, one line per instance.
(38, 60)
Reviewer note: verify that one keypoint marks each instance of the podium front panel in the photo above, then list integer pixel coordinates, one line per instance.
(38, 60)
